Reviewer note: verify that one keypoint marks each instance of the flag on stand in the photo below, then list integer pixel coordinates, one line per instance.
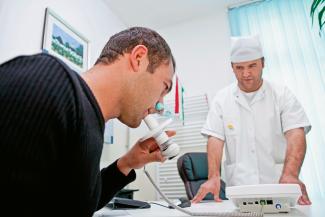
(179, 100)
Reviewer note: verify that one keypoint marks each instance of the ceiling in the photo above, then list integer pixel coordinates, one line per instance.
(161, 13)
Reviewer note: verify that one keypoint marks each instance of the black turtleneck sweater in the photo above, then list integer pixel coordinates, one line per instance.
(51, 140)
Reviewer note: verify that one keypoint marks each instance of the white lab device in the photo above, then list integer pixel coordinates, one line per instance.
(168, 148)
(264, 198)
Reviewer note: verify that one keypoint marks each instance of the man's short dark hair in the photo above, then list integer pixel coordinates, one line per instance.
(124, 41)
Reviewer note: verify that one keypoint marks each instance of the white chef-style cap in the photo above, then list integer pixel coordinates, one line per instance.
(245, 49)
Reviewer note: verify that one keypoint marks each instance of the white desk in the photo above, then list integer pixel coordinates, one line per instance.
(317, 209)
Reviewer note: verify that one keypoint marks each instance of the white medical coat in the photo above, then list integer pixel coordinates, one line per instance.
(255, 145)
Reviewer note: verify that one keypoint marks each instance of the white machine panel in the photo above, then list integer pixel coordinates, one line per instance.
(264, 198)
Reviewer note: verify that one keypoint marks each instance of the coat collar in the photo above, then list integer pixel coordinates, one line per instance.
(241, 99)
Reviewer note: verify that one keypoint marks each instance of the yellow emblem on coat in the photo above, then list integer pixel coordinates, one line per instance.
(230, 126)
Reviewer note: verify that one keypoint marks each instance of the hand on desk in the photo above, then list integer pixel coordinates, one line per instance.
(212, 185)
(140, 154)
(304, 199)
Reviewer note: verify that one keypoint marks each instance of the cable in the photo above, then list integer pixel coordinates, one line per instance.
(262, 208)
(159, 204)
(216, 214)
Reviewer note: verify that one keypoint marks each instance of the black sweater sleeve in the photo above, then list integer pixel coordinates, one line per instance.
(113, 180)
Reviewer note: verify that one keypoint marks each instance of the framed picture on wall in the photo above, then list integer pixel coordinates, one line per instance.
(64, 42)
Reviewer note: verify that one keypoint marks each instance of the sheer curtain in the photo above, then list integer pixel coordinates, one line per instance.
(294, 56)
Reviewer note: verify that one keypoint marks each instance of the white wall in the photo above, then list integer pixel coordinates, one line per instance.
(201, 48)
(111, 152)
(21, 24)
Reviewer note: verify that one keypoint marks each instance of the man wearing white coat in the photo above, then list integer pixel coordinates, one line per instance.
(261, 125)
